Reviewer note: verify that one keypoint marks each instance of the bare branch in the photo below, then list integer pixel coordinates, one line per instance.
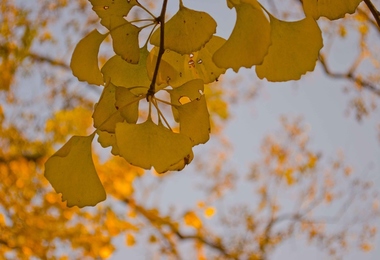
(374, 11)
(349, 75)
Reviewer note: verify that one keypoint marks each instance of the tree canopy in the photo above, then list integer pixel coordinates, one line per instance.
(158, 81)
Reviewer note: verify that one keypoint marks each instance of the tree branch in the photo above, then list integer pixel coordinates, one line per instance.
(161, 20)
(157, 220)
(374, 11)
(349, 75)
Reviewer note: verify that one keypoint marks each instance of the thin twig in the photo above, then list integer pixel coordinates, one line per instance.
(349, 76)
(374, 11)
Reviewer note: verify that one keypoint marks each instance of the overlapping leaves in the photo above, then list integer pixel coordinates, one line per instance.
(190, 57)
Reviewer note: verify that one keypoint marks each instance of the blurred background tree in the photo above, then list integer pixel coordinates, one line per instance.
(289, 190)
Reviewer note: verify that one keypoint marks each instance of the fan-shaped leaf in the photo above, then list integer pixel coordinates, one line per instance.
(111, 12)
(194, 120)
(294, 50)
(178, 69)
(332, 9)
(187, 31)
(124, 74)
(71, 172)
(127, 104)
(84, 62)
(190, 91)
(249, 41)
(125, 42)
(105, 113)
(108, 139)
(147, 144)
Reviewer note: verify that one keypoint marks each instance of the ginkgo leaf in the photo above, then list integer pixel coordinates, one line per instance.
(189, 91)
(183, 68)
(108, 139)
(147, 144)
(294, 50)
(124, 74)
(332, 9)
(187, 31)
(127, 104)
(105, 113)
(194, 120)
(250, 39)
(111, 12)
(84, 62)
(182, 163)
(71, 172)
(125, 42)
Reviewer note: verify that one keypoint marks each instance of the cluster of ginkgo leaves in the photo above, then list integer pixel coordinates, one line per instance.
(185, 56)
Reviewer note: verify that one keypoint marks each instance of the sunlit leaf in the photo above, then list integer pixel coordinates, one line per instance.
(127, 104)
(187, 31)
(147, 144)
(191, 90)
(125, 42)
(332, 9)
(249, 41)
(194, 120)
(108, 139)
(112, 12)
(84, 62)
(71, 172)
(178, 69)
(294, 50)
(105, 113)
(124, 74)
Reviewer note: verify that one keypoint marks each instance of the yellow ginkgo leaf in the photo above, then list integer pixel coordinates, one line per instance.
(147, 144)
(183, 68)
(187, 31)
(111, 12)
(124, 74)
(127, 104)
(125, 42)
(105, 113)
(332, 9)
(194, 120)
(84, 62)
(108, 139)
(294, 50)
(71, 172)
(188, 92)
(250, 39)
(182, 163)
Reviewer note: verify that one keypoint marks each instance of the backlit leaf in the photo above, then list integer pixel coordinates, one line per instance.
(187, 31)
(249, 41)
(294, 50)
(147, 144)
(127, 104)
(108, 139)
(332, 9)
(84, 62)
(105, 113)
(71, 172)
(124, 74)
(125, 42)
(191, 90)
(111, 12)
(194, 120)
(183, 68)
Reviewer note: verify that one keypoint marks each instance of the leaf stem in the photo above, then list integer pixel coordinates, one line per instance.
(161, 21)
(145, 9)
(160, 113)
